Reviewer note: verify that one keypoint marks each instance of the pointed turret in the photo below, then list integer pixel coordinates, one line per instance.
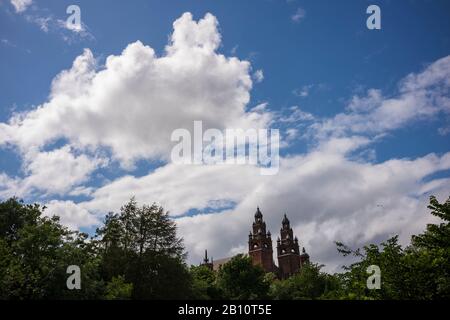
(285, 221)
(206, 260)
(258, 213)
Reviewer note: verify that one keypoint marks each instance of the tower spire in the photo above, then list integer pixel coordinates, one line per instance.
(260, 243)
(258, 213)
(205, 260)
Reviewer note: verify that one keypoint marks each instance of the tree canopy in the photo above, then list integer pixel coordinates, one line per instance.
(137, 254)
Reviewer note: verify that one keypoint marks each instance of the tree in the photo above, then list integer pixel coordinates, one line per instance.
(309, 283)
(420, 271)
(35, 252)
(204, 284)
(388, 257)
(240, 279)
(436, 236)
(428, 257)
(118, 289)
(141, 244)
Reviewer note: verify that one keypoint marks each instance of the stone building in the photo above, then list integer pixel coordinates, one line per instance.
(260, 249)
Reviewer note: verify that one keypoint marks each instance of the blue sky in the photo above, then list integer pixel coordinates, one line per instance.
(318, 64)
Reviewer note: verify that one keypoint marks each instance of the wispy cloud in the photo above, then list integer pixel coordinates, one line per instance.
(306, 90)
(258, 75)
(21, 5)
(7, 43)
(233, 50)
(303, 91)
(299, 15)
(49, 24)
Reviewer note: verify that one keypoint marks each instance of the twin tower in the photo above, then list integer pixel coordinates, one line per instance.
(260, 249)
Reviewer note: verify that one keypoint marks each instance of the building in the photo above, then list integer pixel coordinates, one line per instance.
(260, 244)
(260, 249)
(290, 260)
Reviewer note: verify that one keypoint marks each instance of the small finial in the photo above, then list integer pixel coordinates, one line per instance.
(285, 220)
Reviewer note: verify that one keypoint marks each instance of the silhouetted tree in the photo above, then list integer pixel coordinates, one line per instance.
(240, 279)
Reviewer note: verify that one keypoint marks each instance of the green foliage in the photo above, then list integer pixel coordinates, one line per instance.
(240, 279)
(35, 252)
(309, 283)
(140, 244)
(436, 236)
(387, 257)
(204, 283)
(136, 254)
(420, 271)
(118, 289)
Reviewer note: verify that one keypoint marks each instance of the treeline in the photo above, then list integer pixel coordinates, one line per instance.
(136, 254)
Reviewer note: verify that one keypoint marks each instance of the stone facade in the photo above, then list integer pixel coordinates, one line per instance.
(290, 260)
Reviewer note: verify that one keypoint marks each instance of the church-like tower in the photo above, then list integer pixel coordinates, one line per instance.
(206, 262)
(260, 244)
(289, 259)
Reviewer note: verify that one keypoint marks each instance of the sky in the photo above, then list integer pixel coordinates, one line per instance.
(86, 115)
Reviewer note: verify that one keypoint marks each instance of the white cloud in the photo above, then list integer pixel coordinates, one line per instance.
(299, 15)
(54, 172)
(7, 43)
(306, 90)
(71, 215)
(295, 114)
(49, 24)
(21, 5)
(303, 91)
(233, 50)
(155, 187)
(42, 22)
(132, 105)
(421, 96)
(327, 196)
(57, 171)
(258, 75)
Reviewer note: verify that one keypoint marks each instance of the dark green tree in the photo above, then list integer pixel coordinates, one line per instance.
(141, 244)
(428, 257)
(240, 279)
(204, 284)
(35, 252)
(118, 289)
(419, 271)
(309, 283)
